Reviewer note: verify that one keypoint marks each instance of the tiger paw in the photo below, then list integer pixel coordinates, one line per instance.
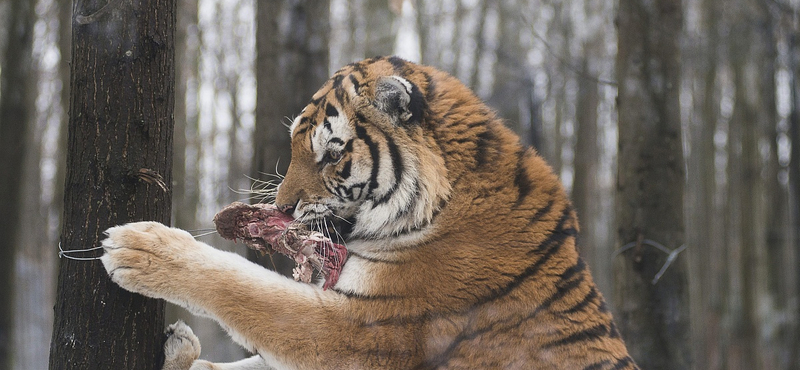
(144, 257)
(182, 347)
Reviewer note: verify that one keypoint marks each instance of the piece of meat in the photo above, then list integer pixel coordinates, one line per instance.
(264, 228)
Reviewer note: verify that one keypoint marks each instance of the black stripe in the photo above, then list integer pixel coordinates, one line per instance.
(336, 140)
(485, 143)
(360, 117)
(301, 130)
(397, 63)
(357, 67)
(577, 268)
(337, 81)
(623, 363)
(475, 124)
(591, 333)
(327, 125)
(344, 173)
(355, 83)
(418, 105)
(613, 332)
(340, 95)
(397, 163)
(430, 86)
(542, 212)
(331, 111)
(598, 365)
(315, 102)
(588, 299)
(563, 288)
(559, 233)
(521, 179)
(361, 133)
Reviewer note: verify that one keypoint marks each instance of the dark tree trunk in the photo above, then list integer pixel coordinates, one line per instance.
(292, 64)
(15, 118)
(122, 100)
(653, 317)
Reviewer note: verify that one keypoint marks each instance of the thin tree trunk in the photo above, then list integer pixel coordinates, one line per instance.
(794, 178)
(380, 30)
(185, 194)
(15, 118)
(703, 228)
(122, 100)
(480, 45)
(585, 189)
(653, 316)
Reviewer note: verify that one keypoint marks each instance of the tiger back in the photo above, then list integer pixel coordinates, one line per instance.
(461, 241)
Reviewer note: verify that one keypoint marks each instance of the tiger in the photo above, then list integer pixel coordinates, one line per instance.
(461, 244)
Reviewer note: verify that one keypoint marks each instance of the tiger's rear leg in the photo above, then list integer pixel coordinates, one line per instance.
(182, 349)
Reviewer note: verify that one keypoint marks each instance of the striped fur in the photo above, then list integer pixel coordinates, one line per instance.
(465, 238)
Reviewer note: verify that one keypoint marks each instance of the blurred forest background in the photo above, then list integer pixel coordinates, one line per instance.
(548, 67)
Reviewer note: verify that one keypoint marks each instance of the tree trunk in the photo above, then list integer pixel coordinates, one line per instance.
(185, 192)
(15, 118)
(704, 230)
(585, 189)
(380, 30)
(653, 316)
(794, 179)
(292, 64)
(120, 142)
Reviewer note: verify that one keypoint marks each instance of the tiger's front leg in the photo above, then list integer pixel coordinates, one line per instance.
(290, 325)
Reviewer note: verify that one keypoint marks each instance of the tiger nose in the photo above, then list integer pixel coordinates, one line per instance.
(286, 208)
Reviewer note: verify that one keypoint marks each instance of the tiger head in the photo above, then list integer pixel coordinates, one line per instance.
(364, 159)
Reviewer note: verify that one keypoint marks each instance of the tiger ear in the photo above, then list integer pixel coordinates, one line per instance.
(399, 98)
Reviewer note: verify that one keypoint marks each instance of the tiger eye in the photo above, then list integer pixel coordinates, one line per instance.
(335, 156)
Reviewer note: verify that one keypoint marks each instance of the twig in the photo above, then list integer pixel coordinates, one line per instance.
(151, 177)
(63, 253)
(671, 254)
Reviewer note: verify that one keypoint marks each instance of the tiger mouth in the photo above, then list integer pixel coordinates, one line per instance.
(327, 223)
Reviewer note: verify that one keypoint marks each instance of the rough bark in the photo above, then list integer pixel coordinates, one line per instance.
(122, 99)
(15, 118)
(652, 316)
(292, 64)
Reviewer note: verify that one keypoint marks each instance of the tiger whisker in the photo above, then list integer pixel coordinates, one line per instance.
(341, 218)
(204, 234)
